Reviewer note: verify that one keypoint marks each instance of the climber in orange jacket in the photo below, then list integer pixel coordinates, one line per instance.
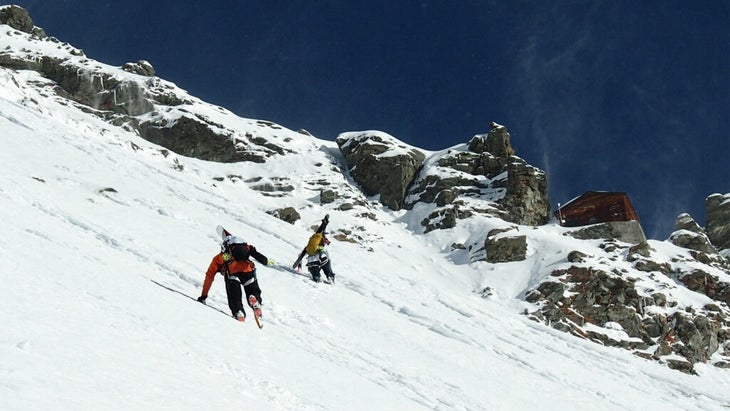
(239, 271)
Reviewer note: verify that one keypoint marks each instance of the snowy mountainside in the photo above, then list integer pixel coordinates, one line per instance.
(106, 237)
(123, 233)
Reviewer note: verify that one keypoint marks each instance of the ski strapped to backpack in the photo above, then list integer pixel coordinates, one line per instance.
(236, 247)
(314, 243)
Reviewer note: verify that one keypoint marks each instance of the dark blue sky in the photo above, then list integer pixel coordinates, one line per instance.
(612, 95)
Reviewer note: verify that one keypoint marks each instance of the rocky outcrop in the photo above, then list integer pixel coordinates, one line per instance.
(709, 285)
(194, 137)
(608, 308)
(141, 67)
(685, 221)
(19, 19)
(487, 178)
(718, 220)
(445, 218)
(98, 91)
(381, 165)
(497, 143)
(688, 234)
(483, 177)
(526, 198)
(138, 102)
(288, 214)
(501, 246)
(594, 299)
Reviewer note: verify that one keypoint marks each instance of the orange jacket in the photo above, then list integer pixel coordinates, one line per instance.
(220, 265)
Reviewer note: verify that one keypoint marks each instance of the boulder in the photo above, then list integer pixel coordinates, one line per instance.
(381, 164)
(141, 67)
(685, 221)
(97, 90)
(431, 188)
(131, 99)
(576, 256)
(688, 234)
(288, 214)
(327, 196)
(525, 200)
(502, 247)
(692, 240)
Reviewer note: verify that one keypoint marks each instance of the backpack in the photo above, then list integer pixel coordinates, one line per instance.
(239, 251)
(313, 245)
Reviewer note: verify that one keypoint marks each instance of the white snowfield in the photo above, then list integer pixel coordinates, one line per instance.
(103, 248)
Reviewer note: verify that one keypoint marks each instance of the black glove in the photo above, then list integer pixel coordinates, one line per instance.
(202, 298)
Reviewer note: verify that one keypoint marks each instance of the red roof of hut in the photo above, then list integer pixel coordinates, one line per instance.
(596, 207)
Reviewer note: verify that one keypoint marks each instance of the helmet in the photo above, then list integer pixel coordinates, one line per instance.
(232, 239)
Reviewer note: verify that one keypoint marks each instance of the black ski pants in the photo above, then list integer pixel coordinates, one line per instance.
(250, 285)
(314, 270)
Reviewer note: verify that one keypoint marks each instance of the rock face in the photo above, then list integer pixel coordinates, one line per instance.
(484, 177)
(497, 143)
(526, 199)
(594, 301)
(718, 220)
(133, 98)
(381, 164)
(196, 137)
(19, 19)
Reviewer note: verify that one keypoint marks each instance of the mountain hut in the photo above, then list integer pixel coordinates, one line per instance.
(596, 207)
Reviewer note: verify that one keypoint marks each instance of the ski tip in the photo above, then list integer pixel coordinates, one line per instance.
(222, 232)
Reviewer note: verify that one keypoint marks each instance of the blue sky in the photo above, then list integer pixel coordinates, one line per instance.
(603, 95)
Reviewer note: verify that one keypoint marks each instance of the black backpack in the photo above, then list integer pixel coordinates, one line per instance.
(240, 251)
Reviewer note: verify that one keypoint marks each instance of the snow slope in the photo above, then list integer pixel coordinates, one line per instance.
(105, 239)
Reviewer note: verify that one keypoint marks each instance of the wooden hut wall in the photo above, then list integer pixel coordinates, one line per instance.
(595, 207)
